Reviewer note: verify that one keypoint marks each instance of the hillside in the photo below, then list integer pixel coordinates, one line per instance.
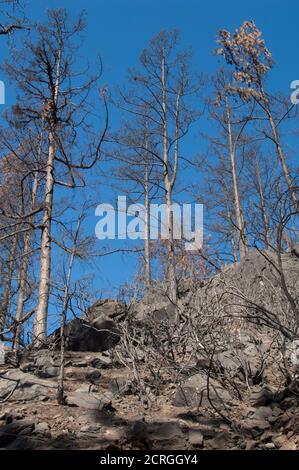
(216, 371)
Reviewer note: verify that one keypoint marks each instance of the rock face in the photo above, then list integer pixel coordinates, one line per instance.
(85, 398)
(155, 306)
(256, 277)
(97, 336)
(195, 437)
(98, 414)
(22, 386)
(107, 309)
(163, 363)
(8, 435)
(97, 332)
(194, 393)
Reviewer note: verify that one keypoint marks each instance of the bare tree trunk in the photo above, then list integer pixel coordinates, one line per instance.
(60, 388)
(234, 249)
(40, 324)
(232, 238)
(232, 228)
(6, 299)
(282, 159)
(168, 184)
(24, 272)
(171, 271)
(262, 205)
(239, 216)
(147, 223)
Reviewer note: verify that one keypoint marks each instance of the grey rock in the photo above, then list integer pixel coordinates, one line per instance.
(47, 372)
(80, 363)
(261, 396)
(262, 412)
(193, 393)
(101, 362)
(154, 306)
(43, 359)
(10, 432)
(81, 335)
(42, 427)
(223, 440)
(195, 437)
(90, 428)
(289, 445)
(119, 386)
(27, 366)
(166, 431)
(89, 400)
(255, 427)
(138, 430)
(106, 309)
(93, 376)
(269, 446)
(228, 361)
(280, 440)
(251, 444)
(28, 387)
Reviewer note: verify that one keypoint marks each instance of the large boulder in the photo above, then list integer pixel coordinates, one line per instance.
(97, 331)
(96, 336)
(106, 309)
(256, 278)
(155, 306)
(24, 386)
(194, 392)
(85, 397)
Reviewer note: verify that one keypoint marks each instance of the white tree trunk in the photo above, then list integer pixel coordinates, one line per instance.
(147, 225)
(282, 160)
(41, 313)
(239, 216)
(262, 205)
(6, 298)
(24, 271)
(168, 184)
(40, 323)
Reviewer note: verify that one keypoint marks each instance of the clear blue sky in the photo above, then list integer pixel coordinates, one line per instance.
(120, 29)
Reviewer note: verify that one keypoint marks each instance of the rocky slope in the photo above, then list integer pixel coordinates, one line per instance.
(103, 412)
(207, 373)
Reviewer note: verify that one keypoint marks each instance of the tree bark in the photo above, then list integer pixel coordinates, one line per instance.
(262, 205)
(168, 185)
(239, 216)
(24, 272)
(40, 324)
(60, 388)
(282, 159)
(6, 299)
(147, 222)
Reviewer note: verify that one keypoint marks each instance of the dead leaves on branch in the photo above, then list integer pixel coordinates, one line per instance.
(247, 52)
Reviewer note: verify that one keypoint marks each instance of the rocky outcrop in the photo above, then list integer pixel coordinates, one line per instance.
(201, 391)
(97, 415)
(155, 306)
(106, 309)
(196, 375)
(96, 332)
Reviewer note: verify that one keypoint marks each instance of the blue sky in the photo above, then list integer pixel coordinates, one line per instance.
(120, 29)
